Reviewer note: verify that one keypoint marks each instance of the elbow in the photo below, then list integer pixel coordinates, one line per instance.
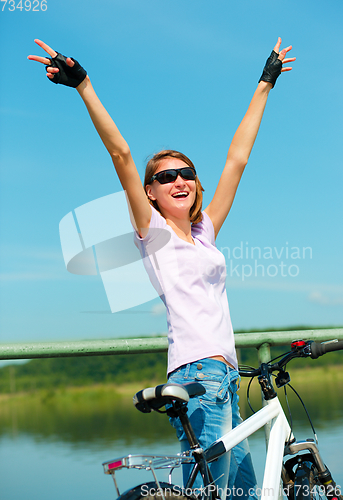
(240, 159)
(121, 154)
(242, 162)
(239, 163)
(237, 159)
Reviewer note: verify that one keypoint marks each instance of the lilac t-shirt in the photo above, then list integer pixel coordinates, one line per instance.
(190, 280)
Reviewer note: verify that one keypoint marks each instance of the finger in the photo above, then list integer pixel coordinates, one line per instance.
(289, 59)
(287, 49)
(285, 69)
(46, 47)
(50, 69)
(277, 46)
(70, 62)
(284, 52)
(43, 60)
(50, 75)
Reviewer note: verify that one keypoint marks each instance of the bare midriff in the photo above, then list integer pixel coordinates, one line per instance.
(223, 360)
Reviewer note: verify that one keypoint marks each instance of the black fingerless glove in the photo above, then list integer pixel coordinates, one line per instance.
(272, 69)
(71, 77)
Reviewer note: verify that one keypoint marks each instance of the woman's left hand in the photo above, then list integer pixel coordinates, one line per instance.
(282, 55)
(274, 64)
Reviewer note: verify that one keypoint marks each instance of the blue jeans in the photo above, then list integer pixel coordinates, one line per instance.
(211, 416)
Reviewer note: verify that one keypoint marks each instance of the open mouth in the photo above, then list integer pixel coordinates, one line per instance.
(181, 194)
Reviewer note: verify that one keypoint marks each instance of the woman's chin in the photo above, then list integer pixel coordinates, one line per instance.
(183, 206)
(183, 202)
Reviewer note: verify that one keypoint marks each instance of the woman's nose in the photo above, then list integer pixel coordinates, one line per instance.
(179, 180)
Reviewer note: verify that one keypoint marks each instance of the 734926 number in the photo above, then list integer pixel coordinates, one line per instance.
(27, 5)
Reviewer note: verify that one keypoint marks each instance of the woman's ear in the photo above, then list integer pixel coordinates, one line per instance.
(149, 193)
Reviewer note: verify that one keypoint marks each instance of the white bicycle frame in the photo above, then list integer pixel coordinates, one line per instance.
(280, 433)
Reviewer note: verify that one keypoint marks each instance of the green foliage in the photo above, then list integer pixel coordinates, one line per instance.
(78, 371)
(104, 415)
(77, 415)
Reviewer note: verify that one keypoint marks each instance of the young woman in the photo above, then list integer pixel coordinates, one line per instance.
(178, 239)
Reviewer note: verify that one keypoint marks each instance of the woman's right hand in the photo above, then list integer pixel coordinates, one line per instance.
(107, 130)
(60, 69)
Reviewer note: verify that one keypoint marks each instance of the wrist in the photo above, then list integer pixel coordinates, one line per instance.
(265, 86)
(83, 85)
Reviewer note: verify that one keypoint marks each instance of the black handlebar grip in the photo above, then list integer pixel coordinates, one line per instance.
(318, 349)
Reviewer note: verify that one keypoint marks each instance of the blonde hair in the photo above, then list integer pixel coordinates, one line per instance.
(195, 214)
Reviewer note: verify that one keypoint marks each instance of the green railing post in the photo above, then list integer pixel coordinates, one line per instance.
(263, 352)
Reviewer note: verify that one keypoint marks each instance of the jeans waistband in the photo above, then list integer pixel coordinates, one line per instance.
(206, 365)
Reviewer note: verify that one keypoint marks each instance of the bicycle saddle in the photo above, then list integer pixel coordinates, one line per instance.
(154, 398)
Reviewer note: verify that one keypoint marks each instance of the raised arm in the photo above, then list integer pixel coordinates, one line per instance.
(244, 139)
(68, 72)
(120, 154)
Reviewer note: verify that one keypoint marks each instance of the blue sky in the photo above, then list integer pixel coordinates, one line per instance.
(179, 75)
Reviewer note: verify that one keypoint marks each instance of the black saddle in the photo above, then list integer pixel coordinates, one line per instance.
(154, 398)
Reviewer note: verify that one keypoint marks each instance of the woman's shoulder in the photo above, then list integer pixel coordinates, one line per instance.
(157, 223)
(157, 219)
(204, 227)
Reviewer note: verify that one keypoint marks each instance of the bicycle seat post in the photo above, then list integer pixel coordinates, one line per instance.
(180, 410)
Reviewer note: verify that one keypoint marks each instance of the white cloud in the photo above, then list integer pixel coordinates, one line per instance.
(39, 276)
(31, 264)
(285, 286)
(158, 309)
(325, 300)
(31, 252)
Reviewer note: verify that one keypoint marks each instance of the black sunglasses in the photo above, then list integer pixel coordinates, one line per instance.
(166, 176)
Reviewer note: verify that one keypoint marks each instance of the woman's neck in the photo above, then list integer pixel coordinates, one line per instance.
(182, 228)
(180, 223)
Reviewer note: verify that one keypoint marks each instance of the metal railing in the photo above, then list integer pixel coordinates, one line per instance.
(260, 340)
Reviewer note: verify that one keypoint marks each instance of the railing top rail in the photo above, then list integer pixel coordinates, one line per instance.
(30, 350)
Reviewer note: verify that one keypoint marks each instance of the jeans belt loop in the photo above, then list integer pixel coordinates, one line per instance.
(188, 367)
(237, 379)
(223, 387)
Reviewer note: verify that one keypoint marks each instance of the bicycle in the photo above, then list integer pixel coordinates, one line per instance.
(303, 476)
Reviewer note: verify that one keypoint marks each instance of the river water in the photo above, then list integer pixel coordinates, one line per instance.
(52, 450)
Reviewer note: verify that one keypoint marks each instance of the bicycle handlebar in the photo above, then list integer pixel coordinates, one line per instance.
(300, 349)
(318, 349)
